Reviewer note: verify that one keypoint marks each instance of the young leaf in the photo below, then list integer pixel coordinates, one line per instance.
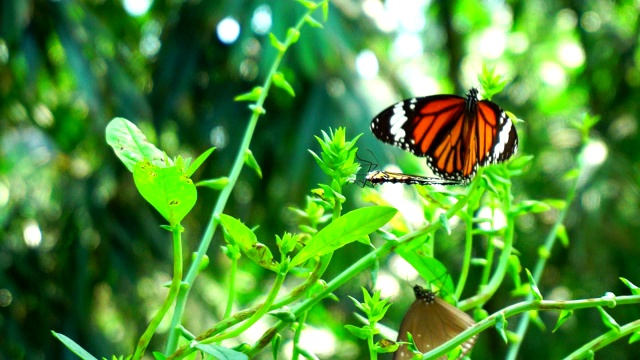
(75, 348)
(167, 189)
(533, 286)
(196, 164)
(252, 95)
(430, 269)
(282, 83)
(385, 346)
(308, 4)
(131, 146)
(608, 320)
(219, 352)
(251, 162)
(634, 337)
(634, 289)
(501, 327)
(348, 228)
(359, 332)
(246, 239)
(216, 184)
(564, 316)
(444, 220)
(562, 235)
(276, 43)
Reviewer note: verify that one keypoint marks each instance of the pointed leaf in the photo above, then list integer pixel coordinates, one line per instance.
(220, 352)
(634, 289)
(308, 4)
(359, 332)
(564, 316)
(196, 164)
(608, 320)
(347, 228)
(634, 337)
(276, 43)
(533, 286)
(280, 81)
(251, 162)
(252, 95)
(444, 220)
(216, 184)
(168, 190)
(501, 327)
(325, 10)
(561, 233)
(75, 348)
(131, 145)
(246, 239)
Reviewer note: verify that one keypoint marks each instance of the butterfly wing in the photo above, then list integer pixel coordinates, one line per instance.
(432, 324)
(455, 134)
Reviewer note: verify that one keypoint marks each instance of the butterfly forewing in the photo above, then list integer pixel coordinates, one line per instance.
(455, 134)
(432, 322)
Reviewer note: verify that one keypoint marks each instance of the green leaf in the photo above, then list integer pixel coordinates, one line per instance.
(281, 82)
(634, 337)
(562, 235)
(325, 10)
(501, 327)
(276, 43)
(313, 22)
(529, 206)
(348, 228)
(308, 4)
(167, 189)
(220, 352)
(257, 109)
(444, 220)
(293, 35)
(359, 332)
(252, 95)
(284, 314)
(431, 270)
(201, 159)
(246, 239)
(607, 320)
(251, 162)
(216, 184)
(157, 355)
(533, 286)
(564, 316)
(131, 146)
(634, 289)
(75, 348)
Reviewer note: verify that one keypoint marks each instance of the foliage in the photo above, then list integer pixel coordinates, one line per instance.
(83, 255)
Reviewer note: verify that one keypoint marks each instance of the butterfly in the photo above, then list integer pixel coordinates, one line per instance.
(432, 322)
(456, 134)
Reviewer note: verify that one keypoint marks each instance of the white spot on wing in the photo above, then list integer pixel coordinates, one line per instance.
(397, 121)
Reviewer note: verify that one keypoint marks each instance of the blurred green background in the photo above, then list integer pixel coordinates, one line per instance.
(81, 253)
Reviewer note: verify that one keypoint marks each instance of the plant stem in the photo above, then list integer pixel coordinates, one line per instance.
(360, 265)
(503, 262)
(540, 265)
(525, 307)
(604, 340)
(232, 287)
(296, 336)
(173, 291)
(207, 237)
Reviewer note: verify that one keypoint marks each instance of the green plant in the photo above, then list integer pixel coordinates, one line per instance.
(166, 184)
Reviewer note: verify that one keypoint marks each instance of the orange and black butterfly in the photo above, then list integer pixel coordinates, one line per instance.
(456, 134)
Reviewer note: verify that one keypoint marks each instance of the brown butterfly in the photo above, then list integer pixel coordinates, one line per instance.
(432, 322)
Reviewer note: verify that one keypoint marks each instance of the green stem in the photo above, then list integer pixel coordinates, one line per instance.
(296, 336)
(466, 264)
(525, 307)
(207, 237)
(487, 291)
(296, 294)
(604, 340)
(255, 317)
(360, 266)
(540, 265)
(173, 291)
(232, 287)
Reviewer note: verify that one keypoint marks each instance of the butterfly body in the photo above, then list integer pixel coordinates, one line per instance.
(455, 134)
(381, 177)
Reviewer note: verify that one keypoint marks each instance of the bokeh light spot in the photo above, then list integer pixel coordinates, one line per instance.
(228, 30)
